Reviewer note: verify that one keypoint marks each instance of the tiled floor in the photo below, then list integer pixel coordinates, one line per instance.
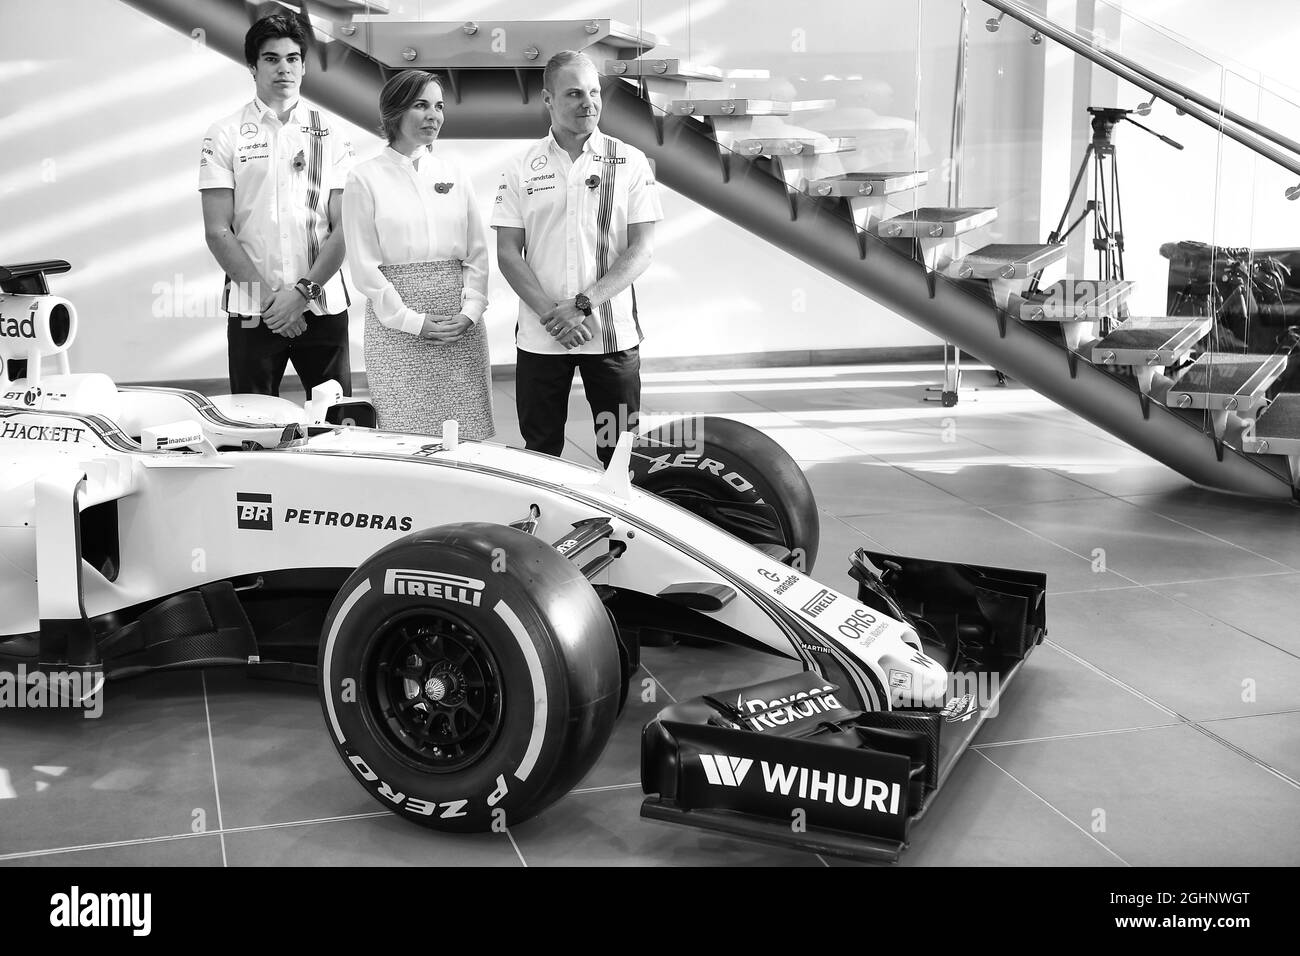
(1159, 724)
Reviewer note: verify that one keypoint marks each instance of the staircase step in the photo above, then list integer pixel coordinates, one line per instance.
(1151, 340)
(403, 42)
(736, 107)
(794, 146)
(662, 69)
(936, 222)
(1075, 299)
(613, 33)
(1226, 381)
(1007, 260)
(868, 183)
(1277, 429)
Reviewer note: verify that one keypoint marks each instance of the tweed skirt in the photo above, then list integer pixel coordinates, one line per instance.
(417, 384)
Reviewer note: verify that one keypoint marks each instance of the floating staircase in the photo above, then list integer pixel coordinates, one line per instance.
(729, 141)
(1149, 345)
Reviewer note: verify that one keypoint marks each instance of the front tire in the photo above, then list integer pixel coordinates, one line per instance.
(735, 477)
(469, 676)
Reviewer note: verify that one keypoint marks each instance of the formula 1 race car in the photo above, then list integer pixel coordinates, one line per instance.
(473, 613)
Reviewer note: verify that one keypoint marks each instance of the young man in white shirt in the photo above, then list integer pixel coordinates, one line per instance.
(271, 176)
(575, 216)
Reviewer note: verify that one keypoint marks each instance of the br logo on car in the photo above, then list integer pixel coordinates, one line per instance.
(434, 584)
(253, 511)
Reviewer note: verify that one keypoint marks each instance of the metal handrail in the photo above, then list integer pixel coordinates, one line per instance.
(1214, 116)
(1201, 99)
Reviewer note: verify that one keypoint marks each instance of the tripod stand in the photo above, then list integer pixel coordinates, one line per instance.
(1105, 210)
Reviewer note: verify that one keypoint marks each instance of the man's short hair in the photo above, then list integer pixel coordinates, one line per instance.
(558, 62)
(397, 96)
(275, 27)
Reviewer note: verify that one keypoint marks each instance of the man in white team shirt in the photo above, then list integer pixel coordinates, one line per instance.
(575, 217)
(271, 176)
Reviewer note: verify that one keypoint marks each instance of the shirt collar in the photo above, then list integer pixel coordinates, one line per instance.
(402, 159)
(595, 143)
(263, 110)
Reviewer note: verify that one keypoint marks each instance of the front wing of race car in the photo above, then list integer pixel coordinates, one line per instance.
(785, 762)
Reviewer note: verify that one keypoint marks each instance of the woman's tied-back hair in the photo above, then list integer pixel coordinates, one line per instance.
(275, 27)
(397, 96)
(560, 60)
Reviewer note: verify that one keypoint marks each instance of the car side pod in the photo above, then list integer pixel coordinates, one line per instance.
(785, 763)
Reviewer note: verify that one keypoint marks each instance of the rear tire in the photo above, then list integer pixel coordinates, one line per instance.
(469, 676)
(735, 477)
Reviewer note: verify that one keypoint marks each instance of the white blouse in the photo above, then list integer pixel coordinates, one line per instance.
(395, 211)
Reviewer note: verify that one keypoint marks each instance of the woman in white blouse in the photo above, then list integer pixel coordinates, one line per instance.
(417, 250)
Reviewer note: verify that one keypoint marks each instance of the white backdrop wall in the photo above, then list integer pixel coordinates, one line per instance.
(101, 117)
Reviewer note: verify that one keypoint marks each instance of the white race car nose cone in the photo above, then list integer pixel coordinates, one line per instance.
(435, 688)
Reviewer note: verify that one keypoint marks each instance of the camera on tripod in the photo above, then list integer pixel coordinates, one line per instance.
(1104, 119)
(1102, 158)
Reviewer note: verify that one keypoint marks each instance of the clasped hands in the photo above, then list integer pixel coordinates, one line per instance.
(567, 324)
(283, 312)
(444, 329)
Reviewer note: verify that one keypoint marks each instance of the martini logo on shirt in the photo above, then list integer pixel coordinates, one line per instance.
(537, 163)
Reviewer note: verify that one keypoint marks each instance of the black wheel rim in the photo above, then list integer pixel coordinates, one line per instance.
(433, 691)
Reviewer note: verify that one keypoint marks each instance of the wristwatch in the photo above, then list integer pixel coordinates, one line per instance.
(582, 304)
(311, 290)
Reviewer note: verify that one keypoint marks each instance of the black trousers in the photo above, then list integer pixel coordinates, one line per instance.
(611, 381)
(258, 356)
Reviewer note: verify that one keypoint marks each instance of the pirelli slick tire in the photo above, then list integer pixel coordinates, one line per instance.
(469, 676)
(733, 476)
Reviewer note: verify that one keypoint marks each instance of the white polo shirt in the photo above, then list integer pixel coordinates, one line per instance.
(575, 227)
(282, 175)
